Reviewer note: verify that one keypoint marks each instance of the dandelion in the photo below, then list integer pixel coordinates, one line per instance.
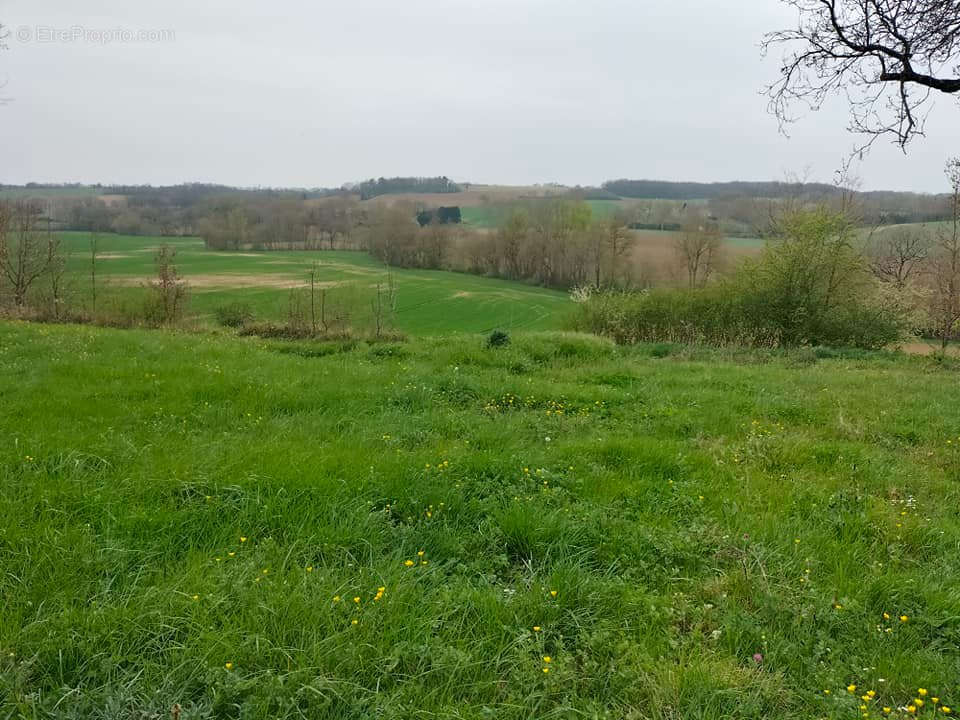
(871, 694)
(886, 711)
(309, 568)
(546, 670)
(851, 688)
(922, 692)
(354, 622)
(357, 599)
(420, 553)
(934, 700)
(336, 598)
(228, 666)
(918, 702)
(553, 593)
(547, 659)
(408, 563)
(826, 692)
(911, 708)
(242, 539)
(196, 597)
(231, 554)
(886, 616)
(945, 710)
(536, 628)
(904, 618)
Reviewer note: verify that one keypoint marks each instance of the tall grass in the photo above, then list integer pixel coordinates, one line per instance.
(187, 519)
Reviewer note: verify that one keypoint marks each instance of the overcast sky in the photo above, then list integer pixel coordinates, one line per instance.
(317, 93)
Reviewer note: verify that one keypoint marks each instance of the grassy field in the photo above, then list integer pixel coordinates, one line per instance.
(428, 302)
(554, 529)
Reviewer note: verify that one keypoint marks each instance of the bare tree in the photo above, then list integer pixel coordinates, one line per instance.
(169, 289)
(698, 247)
(887, 56)
(94, 240)
(897, 256)
(25, 252)
(384, 304)
(607, 242)
(511, 239)
(56, 273)
(945, 266)
(618, 240)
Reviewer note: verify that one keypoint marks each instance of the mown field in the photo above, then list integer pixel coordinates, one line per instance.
(555, 529)
(428, 302)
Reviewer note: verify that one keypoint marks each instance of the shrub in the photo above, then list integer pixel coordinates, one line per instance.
(234, 315)
(169, 294)
(498, 338)
(809, 287)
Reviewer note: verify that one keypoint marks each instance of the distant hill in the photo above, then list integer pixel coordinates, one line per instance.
(665, 190)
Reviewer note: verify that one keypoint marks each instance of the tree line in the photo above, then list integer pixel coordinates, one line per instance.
(817, 282)
(387, 186)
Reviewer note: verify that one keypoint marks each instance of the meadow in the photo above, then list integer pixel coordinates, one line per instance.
(427, 301)
(558, 528)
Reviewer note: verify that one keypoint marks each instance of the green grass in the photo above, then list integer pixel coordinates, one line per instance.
(486, 216)
(428, 301)
(171, 503)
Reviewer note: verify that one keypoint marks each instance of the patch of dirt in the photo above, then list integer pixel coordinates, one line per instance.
(212, 280)
(925, 348)
(113, 200)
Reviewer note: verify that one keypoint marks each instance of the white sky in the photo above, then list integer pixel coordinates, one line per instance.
(317, 93)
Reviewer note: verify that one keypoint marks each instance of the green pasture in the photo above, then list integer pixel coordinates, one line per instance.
(557, 528)
(427, 301)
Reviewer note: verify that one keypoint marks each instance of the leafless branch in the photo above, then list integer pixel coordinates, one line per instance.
(886, 56)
